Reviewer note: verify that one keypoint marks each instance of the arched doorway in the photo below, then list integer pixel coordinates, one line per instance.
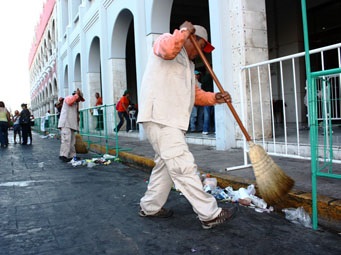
(123, 60)
(77, 83)
(94, 72)
(197, 12)
(66, 81)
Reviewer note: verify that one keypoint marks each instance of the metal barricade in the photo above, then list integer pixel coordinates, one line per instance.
(97, 126)
(320, 108)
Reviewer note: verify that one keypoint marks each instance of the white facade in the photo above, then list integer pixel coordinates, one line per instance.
(93, 38)
(103, 46)
(43, 65)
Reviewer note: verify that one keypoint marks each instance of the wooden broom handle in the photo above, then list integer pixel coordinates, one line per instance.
(220, 87)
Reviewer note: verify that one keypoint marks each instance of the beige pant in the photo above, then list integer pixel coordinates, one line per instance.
(68, 141)
(175, 163)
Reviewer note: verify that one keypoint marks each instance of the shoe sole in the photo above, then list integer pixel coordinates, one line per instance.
(142, 214)
(66, 160)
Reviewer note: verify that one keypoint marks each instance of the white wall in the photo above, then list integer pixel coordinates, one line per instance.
(109, 21)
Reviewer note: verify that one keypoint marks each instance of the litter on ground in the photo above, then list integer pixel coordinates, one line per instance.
(298, 216)
(90, 162)
(243, 196)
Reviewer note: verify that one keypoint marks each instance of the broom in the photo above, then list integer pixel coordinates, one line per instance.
(80, 146)
(272, 182)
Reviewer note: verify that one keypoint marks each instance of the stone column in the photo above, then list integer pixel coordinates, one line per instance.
(239, 29)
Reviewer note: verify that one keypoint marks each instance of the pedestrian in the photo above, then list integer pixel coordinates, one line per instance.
(168, 93)
(25, 123)
(69, 124)
(29, 134)
(197, 114)
(5, 121)
(16, 126)
(122, 108)
(99, 112)
(47, 122)
(208, 112)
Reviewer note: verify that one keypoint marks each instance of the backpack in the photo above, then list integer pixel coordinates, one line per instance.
(24, 117)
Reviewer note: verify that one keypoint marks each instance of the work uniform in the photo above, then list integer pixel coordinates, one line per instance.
(69, 123)
(168, 93)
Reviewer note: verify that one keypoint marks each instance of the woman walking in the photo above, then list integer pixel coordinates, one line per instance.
(16, 126)
(5, 120)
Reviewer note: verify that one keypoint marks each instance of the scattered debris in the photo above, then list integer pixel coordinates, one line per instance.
(210, 184)
(90, 162)
(298, 216)
(108, 156)
(48, 136)
(245, 197)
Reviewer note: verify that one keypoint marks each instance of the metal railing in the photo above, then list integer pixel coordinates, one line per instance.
(274, 103)
(96, 126)
(47, 125)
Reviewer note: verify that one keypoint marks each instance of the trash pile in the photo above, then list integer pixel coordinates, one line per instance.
(247, 197)
(104, 160)
(242, 196)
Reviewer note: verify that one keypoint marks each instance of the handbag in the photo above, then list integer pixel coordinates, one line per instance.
(95, 112)
(24, 120)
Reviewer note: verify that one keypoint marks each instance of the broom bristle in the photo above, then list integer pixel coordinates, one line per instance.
(80, 145)
(273, 184)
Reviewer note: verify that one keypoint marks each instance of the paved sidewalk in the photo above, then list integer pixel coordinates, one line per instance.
(215, 162)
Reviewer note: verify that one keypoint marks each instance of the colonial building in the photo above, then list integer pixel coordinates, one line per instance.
(42, 62)
(103, 46)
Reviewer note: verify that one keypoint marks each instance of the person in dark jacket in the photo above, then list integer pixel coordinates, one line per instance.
(25, 123)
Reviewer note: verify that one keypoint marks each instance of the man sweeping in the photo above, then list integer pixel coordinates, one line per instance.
(168, 93)
(69, 124)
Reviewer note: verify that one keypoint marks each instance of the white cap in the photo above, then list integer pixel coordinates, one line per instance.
(202, 33)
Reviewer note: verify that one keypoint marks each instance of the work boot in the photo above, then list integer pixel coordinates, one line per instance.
(224, 215)
(163, 213)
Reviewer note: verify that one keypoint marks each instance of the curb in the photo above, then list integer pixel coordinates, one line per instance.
(329, 209)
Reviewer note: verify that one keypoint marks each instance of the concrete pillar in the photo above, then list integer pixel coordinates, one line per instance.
(239, 33)
(119, 78)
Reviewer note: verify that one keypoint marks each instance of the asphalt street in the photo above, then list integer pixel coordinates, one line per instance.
(49, 207)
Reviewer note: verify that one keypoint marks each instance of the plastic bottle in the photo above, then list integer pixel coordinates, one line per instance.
(220, 194)
(210, 184)
(233, 195)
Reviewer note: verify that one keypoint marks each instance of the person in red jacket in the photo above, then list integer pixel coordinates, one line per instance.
(122, 108)
(99, 116)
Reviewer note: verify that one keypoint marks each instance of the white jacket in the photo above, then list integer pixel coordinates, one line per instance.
(69, 114)
(167, 91)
